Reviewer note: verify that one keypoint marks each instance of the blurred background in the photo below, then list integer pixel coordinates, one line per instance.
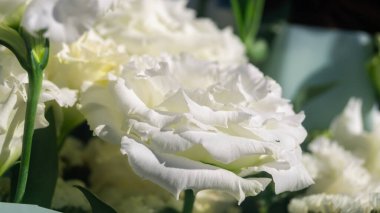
(318, 50)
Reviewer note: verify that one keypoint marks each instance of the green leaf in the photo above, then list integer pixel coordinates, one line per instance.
(309, 93)
(43, 170)
(11, 39)
(23, 208)
(238, 17)
(97, 205)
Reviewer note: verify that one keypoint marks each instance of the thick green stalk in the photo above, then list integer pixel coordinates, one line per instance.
(189, 201)
(34, 91)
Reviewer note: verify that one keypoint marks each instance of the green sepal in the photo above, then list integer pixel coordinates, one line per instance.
(97, 205)
(37, 48)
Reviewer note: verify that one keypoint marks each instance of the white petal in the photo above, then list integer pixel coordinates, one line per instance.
(6, 109)
(227, 148)
(63, 96)
(176, 174)
(293, 179)
(350, 121)
(133, 106)
(216, 118)
(63, 20)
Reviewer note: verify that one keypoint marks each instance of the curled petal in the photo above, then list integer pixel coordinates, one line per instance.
(176, 174)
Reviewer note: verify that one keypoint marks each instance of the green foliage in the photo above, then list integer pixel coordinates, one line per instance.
(43, 170)
(247, 15)
(37, 49)
(374, 69)
(11, 39)
(97, 205)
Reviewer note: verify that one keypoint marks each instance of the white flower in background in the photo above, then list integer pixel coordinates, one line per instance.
(140, 28)
(345, 168)
(13, 84)
(126, 192)
(334, 169)
(348, 130)
(156, 26)
(64, 20)
(189, 124)
(326, 203)
(363, 203)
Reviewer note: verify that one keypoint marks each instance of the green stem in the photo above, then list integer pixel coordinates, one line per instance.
(189, 201)
(34, 91)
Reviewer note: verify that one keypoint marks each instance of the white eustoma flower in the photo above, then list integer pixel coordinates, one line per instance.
(156, 26)
(189, 124)
(345, 167)
(13, 84)
(334, 169)
(64, 20)
(134, 29)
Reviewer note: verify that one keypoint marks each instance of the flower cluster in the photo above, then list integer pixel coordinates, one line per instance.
(172, 91)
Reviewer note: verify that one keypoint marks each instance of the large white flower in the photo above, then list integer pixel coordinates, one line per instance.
(13, 84)
(156, 26)
(189, 124)
(64, 20)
